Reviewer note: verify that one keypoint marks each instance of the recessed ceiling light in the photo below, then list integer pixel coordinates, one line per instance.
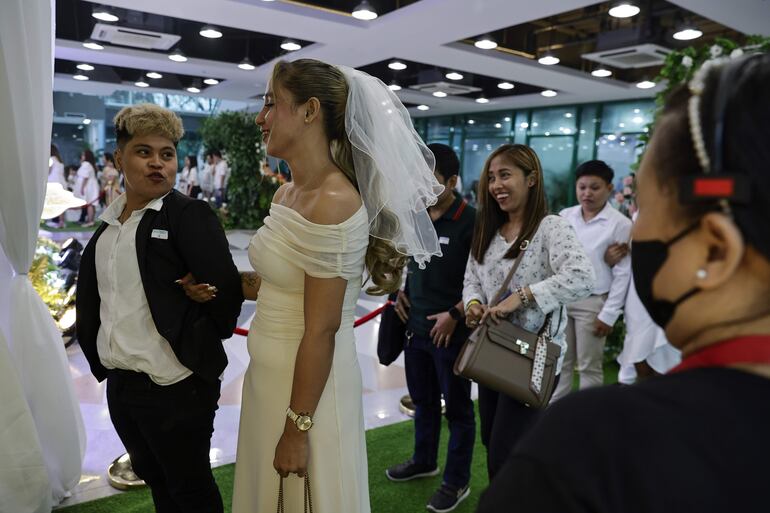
(645, 84)
(141, 83)
(485, 42)
(290, 46)
(193, 89)
(567, 114)
(548, 59)
(177, 56)
(154, 75)
(80, 76)
(439, 94)
(687, 33)
(523, 124)
(507, 119)
(397, 65)
(498, 125)
(471, 121)
(211, 81)
(601, 72)
(482, 99)
(624, 10)
(85, 67)
(104, 14)
(423, 107)
(453, 75)
(210, 32)
(246, 64)
(364, 11)
(86, 121)
(394, 86)
(505, 85)
(549, 93)
(92, 45)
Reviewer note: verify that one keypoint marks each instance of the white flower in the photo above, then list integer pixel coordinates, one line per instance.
(716, 51)
(736, 53)
(687, 61)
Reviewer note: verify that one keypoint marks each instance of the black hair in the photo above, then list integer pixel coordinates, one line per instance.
(193, 161)
(216, 153)
(89, 157)
(447, 163)
(109, 158)
(595, 168)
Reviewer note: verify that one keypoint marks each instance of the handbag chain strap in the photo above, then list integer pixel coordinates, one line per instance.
(308, 498)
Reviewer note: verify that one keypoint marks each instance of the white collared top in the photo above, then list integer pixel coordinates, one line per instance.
(608, 227)
(128, 338)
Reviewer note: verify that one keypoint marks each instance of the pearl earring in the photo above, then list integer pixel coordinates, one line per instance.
(701, 274)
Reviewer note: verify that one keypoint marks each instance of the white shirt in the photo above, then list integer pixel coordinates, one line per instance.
(192, 177)
(128, 338)
(607, 227)
(220, 174)
(554, 267)
(206, 178)
(56, 172)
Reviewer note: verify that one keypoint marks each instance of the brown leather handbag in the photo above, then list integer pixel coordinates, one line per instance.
(507, 358)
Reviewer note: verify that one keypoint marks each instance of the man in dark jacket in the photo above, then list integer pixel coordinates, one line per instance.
(160, 352)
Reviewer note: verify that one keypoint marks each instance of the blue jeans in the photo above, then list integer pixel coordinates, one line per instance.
(429, 375)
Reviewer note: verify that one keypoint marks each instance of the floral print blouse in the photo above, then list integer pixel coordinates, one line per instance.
(554, 266)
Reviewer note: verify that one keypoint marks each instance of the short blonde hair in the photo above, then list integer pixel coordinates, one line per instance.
(147, 119)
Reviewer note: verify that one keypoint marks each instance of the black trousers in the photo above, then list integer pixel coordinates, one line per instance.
(167, 432)
(504, 421)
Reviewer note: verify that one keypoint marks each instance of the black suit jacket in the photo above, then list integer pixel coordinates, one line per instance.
(196, 243)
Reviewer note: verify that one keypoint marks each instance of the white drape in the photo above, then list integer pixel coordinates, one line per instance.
(42, 440)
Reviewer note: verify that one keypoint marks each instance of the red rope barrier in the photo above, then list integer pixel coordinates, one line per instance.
(363, 320)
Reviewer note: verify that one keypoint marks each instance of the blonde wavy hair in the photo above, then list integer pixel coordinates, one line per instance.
(147, 119)
(309, 78)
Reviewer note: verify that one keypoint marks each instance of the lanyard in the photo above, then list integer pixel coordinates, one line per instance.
(751, 349)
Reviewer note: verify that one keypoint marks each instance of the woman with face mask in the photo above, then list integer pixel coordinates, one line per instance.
(701, 264)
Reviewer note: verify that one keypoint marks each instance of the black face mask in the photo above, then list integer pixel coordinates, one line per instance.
(647, 258)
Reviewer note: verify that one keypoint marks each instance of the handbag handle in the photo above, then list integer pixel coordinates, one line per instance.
(308, 507)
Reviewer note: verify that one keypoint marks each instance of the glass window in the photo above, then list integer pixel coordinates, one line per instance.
(627, 116)
(587, 134)
(555, 121)
(555, 154)
(440, 130)
(490, 124)
(521, 127)
(619, 152)
(475, 155)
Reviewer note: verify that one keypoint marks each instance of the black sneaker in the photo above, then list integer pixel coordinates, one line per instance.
(447, 498)
(410, 470)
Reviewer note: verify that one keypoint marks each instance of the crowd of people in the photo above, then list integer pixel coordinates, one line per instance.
(367, 196)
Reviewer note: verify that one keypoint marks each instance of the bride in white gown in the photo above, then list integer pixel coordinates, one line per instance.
(348, 207)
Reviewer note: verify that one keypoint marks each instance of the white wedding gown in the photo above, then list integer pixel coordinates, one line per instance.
(285, 249)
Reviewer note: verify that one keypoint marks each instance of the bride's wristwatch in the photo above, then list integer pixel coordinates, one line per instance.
(303, 421)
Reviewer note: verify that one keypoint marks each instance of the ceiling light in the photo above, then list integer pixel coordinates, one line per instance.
(507, 119)
(85, 67)
(453, 75)
(549, 93)
(567, 114)
(394, 86)
(471, 121)
(104, 14)
(246, 64)
(612, 137)
(645, 84)
(548, 59)
(498, 125)
(482, 99)
(422, 107)
(86, 121)
(397, 65)
(624, 10)
(141, 83)
(290, 46)
(638, 120)
(439, 94)
(505, 85)
(485, 42)
(601, 72)
(687, 33)
(523, 124)
(210, 32)
(80, 76)
(211, 81)
(364, 11)
(92, 45)
(153, 74)
(193, 89)
(177, 56)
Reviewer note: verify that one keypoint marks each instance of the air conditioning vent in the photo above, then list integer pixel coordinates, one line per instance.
(639, 56)
(450, 89)
(135, 38)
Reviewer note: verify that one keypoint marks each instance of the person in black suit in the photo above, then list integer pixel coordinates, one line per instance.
(160, 352)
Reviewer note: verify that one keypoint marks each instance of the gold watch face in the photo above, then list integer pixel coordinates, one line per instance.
(304, 423)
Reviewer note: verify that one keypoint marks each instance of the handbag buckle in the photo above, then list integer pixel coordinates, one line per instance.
(524, 245)
(523, 346)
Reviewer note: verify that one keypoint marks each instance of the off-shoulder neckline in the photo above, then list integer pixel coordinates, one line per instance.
(304, 219)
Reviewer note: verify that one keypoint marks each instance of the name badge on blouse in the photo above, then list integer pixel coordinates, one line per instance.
(443, 240)
(159, 234)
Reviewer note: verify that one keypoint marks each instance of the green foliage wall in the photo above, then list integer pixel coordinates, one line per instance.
(240, 141)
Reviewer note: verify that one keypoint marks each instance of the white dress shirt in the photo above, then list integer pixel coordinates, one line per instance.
(128, 338)
(220, 174)
(607, 227)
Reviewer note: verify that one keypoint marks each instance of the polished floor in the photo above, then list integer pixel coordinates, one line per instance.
(383, 387)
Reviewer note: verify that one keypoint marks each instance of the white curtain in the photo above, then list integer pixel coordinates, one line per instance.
(42, 440)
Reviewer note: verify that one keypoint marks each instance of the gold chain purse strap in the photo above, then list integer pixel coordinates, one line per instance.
(308, 508)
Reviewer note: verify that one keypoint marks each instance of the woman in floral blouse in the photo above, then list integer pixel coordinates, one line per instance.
(554, 271)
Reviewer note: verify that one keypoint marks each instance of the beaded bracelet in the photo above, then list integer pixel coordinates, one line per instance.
(523, 296)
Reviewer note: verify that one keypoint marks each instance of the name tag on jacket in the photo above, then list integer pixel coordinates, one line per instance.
(443, 240)
(159, 234)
